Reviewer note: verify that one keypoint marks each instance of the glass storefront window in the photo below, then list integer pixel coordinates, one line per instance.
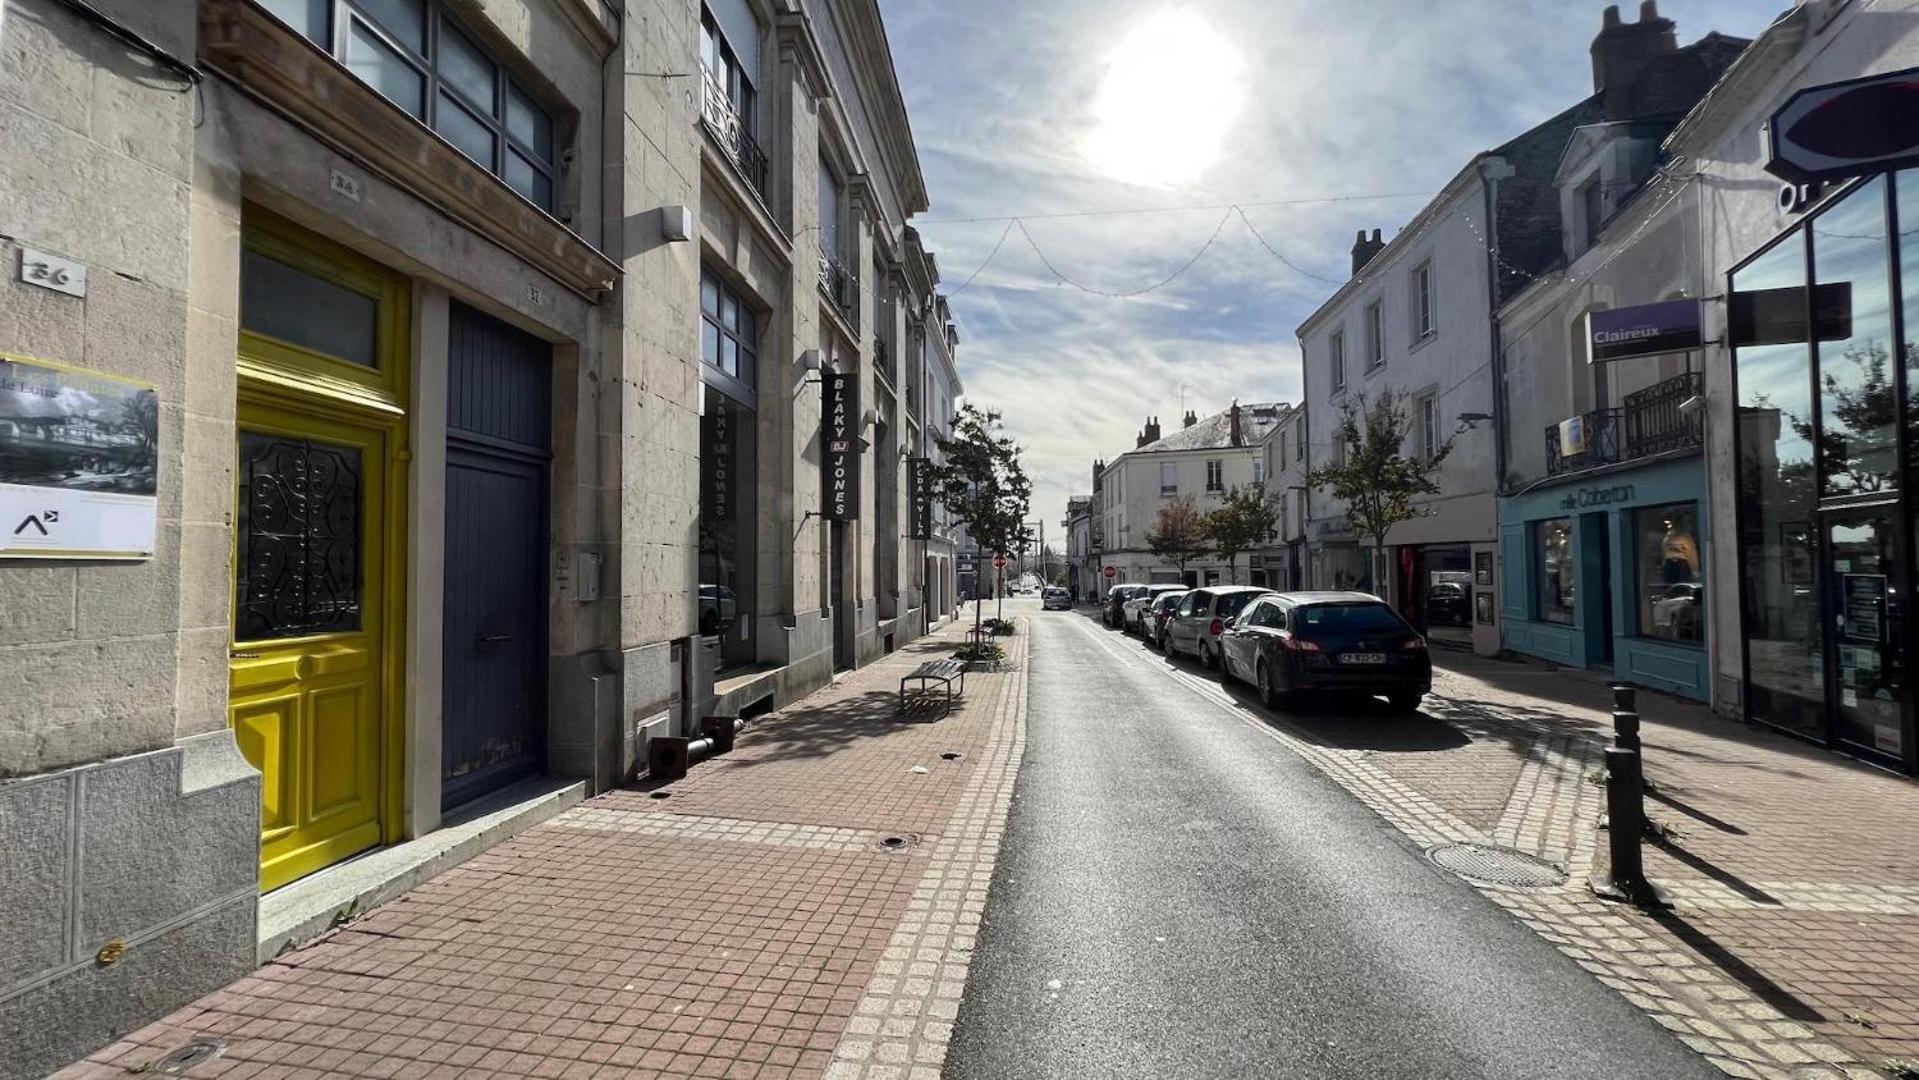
(726, 526)
(1859, 415)
(1784, 658)
(1553, 540)
(1907, 193)
(1670, 590)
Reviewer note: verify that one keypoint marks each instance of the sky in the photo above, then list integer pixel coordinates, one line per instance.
(1316, 117)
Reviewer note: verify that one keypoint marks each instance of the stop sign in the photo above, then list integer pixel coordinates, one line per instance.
(999, 562)
(1111, 572)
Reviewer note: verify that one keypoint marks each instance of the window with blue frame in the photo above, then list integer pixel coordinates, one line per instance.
(1670, 590)
(1553, 550)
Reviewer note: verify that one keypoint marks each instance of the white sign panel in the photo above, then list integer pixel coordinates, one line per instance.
(79, 458)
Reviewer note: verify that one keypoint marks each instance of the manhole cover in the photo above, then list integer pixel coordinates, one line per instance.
(951, 755)
(1497, 865)
(898, 842)
(660, 795)
(178, 1060)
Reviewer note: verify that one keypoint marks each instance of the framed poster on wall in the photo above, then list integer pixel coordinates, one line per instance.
(1483, 608)
(1483, 569)
(79, 462)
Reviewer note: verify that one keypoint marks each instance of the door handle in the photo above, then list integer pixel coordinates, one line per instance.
(493, 639)
(243, 655)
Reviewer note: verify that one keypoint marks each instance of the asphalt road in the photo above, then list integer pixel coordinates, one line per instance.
(1179, 895)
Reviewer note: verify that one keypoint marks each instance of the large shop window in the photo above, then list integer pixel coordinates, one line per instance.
(1553, 540)
(1858, 412)
(727, 523)
(1784, 651)
(419, 58)
(1671, 591)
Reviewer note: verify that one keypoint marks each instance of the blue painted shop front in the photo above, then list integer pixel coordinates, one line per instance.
(1635, 538)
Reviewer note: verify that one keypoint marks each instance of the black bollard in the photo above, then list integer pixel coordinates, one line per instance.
(721, 730)
(1626, 825)
(1625, 718)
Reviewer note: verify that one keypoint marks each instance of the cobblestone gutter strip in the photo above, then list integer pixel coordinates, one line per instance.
(779, 834)
(1553, 813)
(901, 1026)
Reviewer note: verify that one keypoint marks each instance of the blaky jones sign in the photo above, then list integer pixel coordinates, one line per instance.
(840, 464)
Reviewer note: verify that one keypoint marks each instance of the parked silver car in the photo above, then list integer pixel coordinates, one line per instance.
(1201, 616)
(1133, 612)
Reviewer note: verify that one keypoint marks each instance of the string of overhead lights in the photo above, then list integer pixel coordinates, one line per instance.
(1315, 200)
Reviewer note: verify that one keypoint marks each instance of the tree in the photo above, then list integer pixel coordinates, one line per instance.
(1243, 520)
(978, 478)
(1178, 535)
(1375, 479)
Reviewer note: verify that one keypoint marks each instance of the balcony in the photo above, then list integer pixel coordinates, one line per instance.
(1649, 422)
(843, 285)
(729, 129)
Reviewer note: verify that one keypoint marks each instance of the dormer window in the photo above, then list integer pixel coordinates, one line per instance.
(1592, 213)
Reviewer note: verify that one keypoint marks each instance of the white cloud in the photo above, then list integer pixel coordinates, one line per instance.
(1340, 99)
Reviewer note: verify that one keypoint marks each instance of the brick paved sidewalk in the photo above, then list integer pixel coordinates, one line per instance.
(751, 923)
(1793, 949)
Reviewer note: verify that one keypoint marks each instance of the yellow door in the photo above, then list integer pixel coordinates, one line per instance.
(318, 545)
(307, 696)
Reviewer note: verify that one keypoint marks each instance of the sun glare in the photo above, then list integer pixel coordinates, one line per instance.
(1171, 91)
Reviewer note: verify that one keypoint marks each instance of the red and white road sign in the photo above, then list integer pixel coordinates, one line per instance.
(999, 562)
(1111, 572)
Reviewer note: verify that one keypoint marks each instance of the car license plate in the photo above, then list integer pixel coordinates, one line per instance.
(1363, 658)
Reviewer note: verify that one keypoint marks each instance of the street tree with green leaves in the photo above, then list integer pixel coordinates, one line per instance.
(978, 478)
(1243, 520)
(1178, 535)
(1376, 479)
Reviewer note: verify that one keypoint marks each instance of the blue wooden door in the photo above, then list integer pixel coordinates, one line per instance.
(495, 605)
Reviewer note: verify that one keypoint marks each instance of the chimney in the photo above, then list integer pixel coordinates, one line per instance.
(1364, 250)
(1232, 421)
(1191, 419)
(1148, 434)
(1623, 51)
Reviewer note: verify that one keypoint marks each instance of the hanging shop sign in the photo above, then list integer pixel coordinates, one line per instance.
(79, 458)
(1642, 330)
(1572, 436)
(1778, 316)
(920, 489)
(840, 464)
(1847, 128)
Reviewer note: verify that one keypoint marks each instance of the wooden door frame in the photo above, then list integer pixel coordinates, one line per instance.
(282, 376)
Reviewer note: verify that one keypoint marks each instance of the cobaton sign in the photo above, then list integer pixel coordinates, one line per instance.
(840, 465)
(1645, 330)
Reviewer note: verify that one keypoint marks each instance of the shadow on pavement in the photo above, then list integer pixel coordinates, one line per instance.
(1756, 981)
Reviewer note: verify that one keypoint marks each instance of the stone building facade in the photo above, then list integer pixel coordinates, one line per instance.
(488, 344)
(1202, 461)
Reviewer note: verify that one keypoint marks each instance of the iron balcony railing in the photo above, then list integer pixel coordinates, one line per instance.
(1648, 422)
(730, 131)
(842, 284)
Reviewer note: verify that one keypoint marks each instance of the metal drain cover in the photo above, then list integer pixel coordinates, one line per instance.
(180, 1059)
(1497, 865)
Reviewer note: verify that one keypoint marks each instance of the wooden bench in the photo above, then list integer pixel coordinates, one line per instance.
(943, 672)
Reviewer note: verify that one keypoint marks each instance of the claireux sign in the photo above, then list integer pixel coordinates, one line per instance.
(1643, 330)
(840, 464)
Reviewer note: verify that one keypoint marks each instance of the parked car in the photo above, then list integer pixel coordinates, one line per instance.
(1133, 612)
(1201, 615)
(1116, 597)
(1055, 599)
(1153, 625)
(1285, 643)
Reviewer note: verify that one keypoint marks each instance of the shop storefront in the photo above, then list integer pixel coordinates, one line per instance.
(1821, 322)
(1608, 572)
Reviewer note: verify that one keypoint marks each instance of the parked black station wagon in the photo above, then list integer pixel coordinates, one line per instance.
(1287, 643)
